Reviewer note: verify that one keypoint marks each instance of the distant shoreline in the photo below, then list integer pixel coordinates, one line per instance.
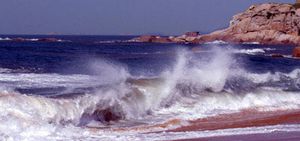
(269, 23)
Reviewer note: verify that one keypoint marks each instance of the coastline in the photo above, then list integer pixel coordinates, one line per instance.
(269, 23)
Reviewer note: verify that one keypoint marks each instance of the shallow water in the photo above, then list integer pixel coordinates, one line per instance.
(82, 88)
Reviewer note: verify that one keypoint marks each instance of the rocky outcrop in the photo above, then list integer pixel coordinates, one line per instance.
(188, 37)
(48, 40)
(152, 39)
(277, 55)
(266, 23)
(19, 39)
(185, 38)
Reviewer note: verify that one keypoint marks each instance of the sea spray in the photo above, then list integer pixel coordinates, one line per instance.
(188, 73)
(210, 75)
(192, 88)
(108, 72)
(171, 79)
(189, 76)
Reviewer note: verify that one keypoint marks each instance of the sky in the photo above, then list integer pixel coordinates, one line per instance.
(119, 17)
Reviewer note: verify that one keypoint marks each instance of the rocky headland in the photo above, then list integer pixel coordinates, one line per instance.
(269, 23)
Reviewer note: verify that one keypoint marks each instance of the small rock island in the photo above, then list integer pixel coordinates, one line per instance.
(269, 23)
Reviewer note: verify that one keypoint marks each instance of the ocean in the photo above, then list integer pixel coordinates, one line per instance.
(104, 88)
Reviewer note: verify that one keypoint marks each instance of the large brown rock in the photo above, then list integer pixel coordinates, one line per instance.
(48, 40)
(277, 55)
(162, 40)
(146, 38)
(268, 23)
(296, 52)
(265, 23)
(152, 39)
(188, 37)
(19, 39)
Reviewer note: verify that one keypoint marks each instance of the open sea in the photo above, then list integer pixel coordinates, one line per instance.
(103, 88)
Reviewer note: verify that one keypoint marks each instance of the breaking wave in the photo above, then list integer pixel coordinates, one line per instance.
(193, 88)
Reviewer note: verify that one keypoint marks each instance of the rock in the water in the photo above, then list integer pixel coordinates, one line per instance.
(152, 39)
(106, 115)
(146, 38)
(269, 23)
(277, 55)
(296, 52)
(48, 40)
(19, 39)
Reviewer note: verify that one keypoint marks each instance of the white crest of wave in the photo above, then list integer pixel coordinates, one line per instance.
(212, 104)
(268, 76)
(5, 39)
(217, 42)
(24, 116)
(191, 89)
(251, 51)
(201, 75)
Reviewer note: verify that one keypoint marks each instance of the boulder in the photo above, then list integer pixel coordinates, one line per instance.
(152, 39)
(19, 39)
(106, 115)
(162, 40)
(192, 34)
(277, 55)
(178, 40)
(296, 52)
(146, 38)
(48, 40)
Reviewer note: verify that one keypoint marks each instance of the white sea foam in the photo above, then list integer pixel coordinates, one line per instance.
(5, 39)
(191, 89)
(33, 39)
(251, 51)
(33, 80)
(268, 77)
(217, 42)
(200, 88)
(212, 104)
(251, 43)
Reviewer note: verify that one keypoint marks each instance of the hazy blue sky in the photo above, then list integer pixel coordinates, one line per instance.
(121, 17)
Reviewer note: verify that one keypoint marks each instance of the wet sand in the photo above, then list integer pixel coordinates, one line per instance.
(249, 118)
(244, 119)
(276, 136)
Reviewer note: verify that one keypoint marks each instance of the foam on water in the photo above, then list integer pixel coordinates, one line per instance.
(5, 39)
(212, 104)
(191, 89)
(251, 51)
(31, 80)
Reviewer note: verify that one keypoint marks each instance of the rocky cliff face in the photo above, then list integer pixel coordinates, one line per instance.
(266, 23)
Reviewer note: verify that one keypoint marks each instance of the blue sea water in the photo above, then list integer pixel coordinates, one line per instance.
(99, 65)
(69, 56)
